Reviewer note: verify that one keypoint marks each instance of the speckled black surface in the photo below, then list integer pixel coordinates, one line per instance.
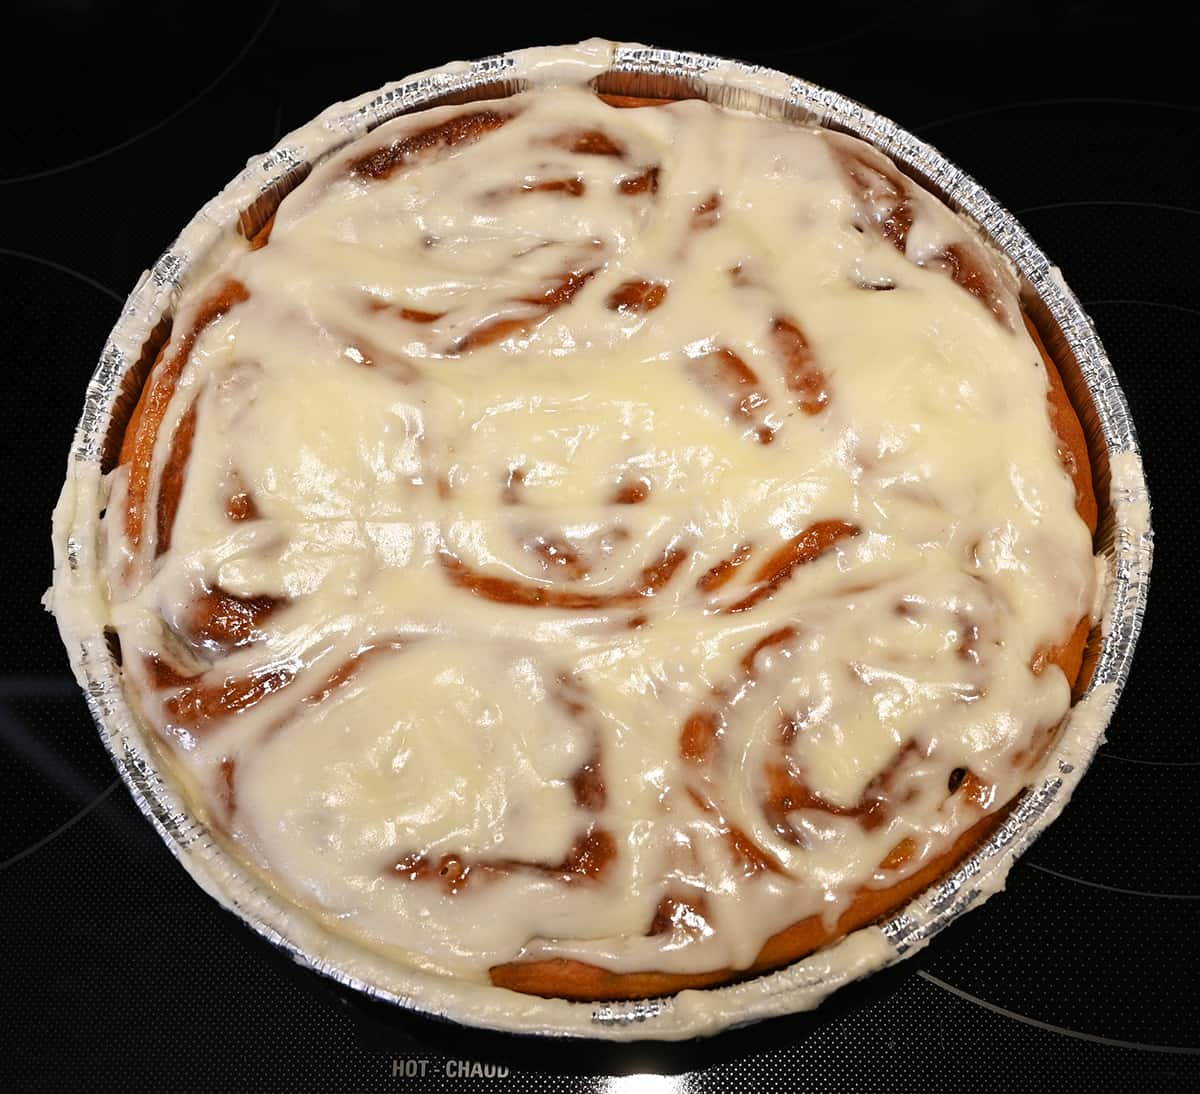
(118, 972)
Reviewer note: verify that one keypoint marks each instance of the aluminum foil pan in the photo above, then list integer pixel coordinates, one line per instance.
(1124, 542)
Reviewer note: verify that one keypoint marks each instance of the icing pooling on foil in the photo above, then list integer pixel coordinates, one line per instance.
(614, 499)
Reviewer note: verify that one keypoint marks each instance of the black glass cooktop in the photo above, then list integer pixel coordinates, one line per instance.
(118, 971)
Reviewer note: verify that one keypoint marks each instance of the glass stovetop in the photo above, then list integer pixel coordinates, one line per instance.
(119, 972)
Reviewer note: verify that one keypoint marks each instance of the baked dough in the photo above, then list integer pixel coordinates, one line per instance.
(602, 551)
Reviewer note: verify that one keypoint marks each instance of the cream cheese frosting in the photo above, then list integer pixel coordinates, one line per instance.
(562, 482)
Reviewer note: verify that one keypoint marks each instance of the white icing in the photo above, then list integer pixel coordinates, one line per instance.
(1130, 497)
(935, 444)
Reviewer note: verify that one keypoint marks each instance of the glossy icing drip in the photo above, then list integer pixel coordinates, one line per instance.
(608, 534)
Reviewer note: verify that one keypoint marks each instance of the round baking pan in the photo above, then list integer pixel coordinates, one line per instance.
(1123, 542)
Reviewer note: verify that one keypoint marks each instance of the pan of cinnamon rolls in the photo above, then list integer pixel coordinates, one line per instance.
(603, 542)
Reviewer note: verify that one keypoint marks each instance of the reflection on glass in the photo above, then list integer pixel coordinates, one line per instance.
(647, 1084)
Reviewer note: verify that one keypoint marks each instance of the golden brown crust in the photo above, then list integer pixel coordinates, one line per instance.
(1073, 451)
(263, 236)
(565, 979)
(141, 435)
(631, 101)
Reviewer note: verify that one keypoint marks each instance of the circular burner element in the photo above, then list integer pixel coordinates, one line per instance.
(1149, 340)
(1096, 149)
(1153, 852)
(54, 767)
(81, 105)
(1110, 250)
(1077, 958)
